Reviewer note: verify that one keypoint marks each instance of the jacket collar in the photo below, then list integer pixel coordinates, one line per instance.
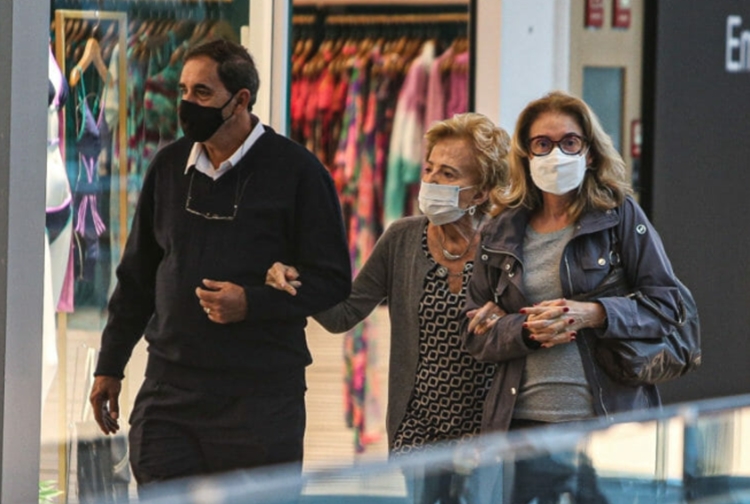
(506, 232)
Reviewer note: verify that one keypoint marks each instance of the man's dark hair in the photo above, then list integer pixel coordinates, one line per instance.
(236, 67)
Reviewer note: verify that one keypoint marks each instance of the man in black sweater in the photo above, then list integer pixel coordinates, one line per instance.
(225, 379)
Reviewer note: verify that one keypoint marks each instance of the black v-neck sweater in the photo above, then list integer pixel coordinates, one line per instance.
(288, 211)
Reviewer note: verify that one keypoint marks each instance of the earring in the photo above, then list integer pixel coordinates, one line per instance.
(473, 210)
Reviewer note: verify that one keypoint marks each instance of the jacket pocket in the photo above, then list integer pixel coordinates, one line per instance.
(594, 265)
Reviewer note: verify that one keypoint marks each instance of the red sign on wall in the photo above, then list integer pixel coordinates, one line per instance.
(636, 138)
(621, 14)
(594, 13)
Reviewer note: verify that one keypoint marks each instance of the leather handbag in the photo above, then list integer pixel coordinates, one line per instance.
(647, 361)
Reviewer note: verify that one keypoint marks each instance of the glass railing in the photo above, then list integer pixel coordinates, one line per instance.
(697, 452)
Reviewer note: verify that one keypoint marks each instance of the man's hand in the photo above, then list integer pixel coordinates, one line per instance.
(104, 401)
(283, 277)
(223, 302)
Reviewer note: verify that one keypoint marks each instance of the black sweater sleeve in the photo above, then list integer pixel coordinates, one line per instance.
(320, 253)
(132, 303)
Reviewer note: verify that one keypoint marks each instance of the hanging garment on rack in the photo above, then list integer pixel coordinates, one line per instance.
(160, 108)
(88, 223)
(438, 89)
(458, 103)
(448, 90)
(136, 82)
(160, 97)
(336, 115)
(364, 230)
(346, 156)
(406, 152)
(323, 113)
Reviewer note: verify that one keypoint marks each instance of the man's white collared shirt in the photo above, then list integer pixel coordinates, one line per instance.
(202, 163)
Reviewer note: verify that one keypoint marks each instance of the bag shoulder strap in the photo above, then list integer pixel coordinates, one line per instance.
(615, 251)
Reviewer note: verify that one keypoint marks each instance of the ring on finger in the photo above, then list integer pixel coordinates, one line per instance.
(207, 310)
(493, 317)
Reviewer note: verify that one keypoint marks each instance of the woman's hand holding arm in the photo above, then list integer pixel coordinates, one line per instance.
(556, 321)
(482, 319)
(283, 277)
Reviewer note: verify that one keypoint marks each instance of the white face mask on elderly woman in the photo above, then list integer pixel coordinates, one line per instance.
(439, 202)
(557, 172)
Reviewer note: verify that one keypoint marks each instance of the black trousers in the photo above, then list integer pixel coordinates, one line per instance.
(176, 433)
(544, 478)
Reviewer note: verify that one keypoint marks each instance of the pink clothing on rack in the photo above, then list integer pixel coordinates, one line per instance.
(458, 103)
(406, 151)
(438, 89)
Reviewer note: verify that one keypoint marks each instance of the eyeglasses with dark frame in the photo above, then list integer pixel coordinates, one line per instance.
(214, 216)
(570, 144)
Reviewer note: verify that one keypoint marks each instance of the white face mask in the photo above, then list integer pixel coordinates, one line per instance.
(557, 172)
(439, 203)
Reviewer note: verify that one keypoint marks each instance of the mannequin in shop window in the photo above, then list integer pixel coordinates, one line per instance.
(59, 228)
(420, 263)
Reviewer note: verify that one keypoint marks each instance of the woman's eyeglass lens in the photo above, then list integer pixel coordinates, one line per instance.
(571, 144)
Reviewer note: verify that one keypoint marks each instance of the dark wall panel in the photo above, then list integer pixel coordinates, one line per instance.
(699, 157)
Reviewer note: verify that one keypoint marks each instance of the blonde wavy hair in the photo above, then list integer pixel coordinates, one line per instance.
(604, 186)
(490, 146)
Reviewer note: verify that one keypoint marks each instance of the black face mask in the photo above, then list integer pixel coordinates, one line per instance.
(199, 123)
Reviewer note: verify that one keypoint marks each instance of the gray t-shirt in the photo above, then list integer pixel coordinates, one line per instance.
(554, 388)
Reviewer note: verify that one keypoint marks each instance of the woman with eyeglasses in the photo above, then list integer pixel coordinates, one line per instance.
(422, 266)
(567, 200)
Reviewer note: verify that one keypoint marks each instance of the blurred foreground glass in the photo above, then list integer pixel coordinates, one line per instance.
(686, 453)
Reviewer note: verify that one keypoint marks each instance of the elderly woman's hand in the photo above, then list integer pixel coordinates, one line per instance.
(482, 319)
(283, 277)
(556, 321)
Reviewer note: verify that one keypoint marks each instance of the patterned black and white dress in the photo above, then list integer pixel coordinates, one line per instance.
(450, 386)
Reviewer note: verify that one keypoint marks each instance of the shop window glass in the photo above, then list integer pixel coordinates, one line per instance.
(113, 71)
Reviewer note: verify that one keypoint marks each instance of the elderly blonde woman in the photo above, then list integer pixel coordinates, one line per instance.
(422, 266)
(567, 200)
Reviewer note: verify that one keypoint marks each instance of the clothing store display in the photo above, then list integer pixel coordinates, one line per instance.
(358, 103)
(58, 228)
(104, 192)
(88, 222)
(59, 222)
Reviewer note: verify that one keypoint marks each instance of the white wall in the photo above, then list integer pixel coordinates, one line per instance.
(522, 53)
(267, 39)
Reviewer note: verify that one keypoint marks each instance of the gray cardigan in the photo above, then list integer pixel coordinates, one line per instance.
(396, 270)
